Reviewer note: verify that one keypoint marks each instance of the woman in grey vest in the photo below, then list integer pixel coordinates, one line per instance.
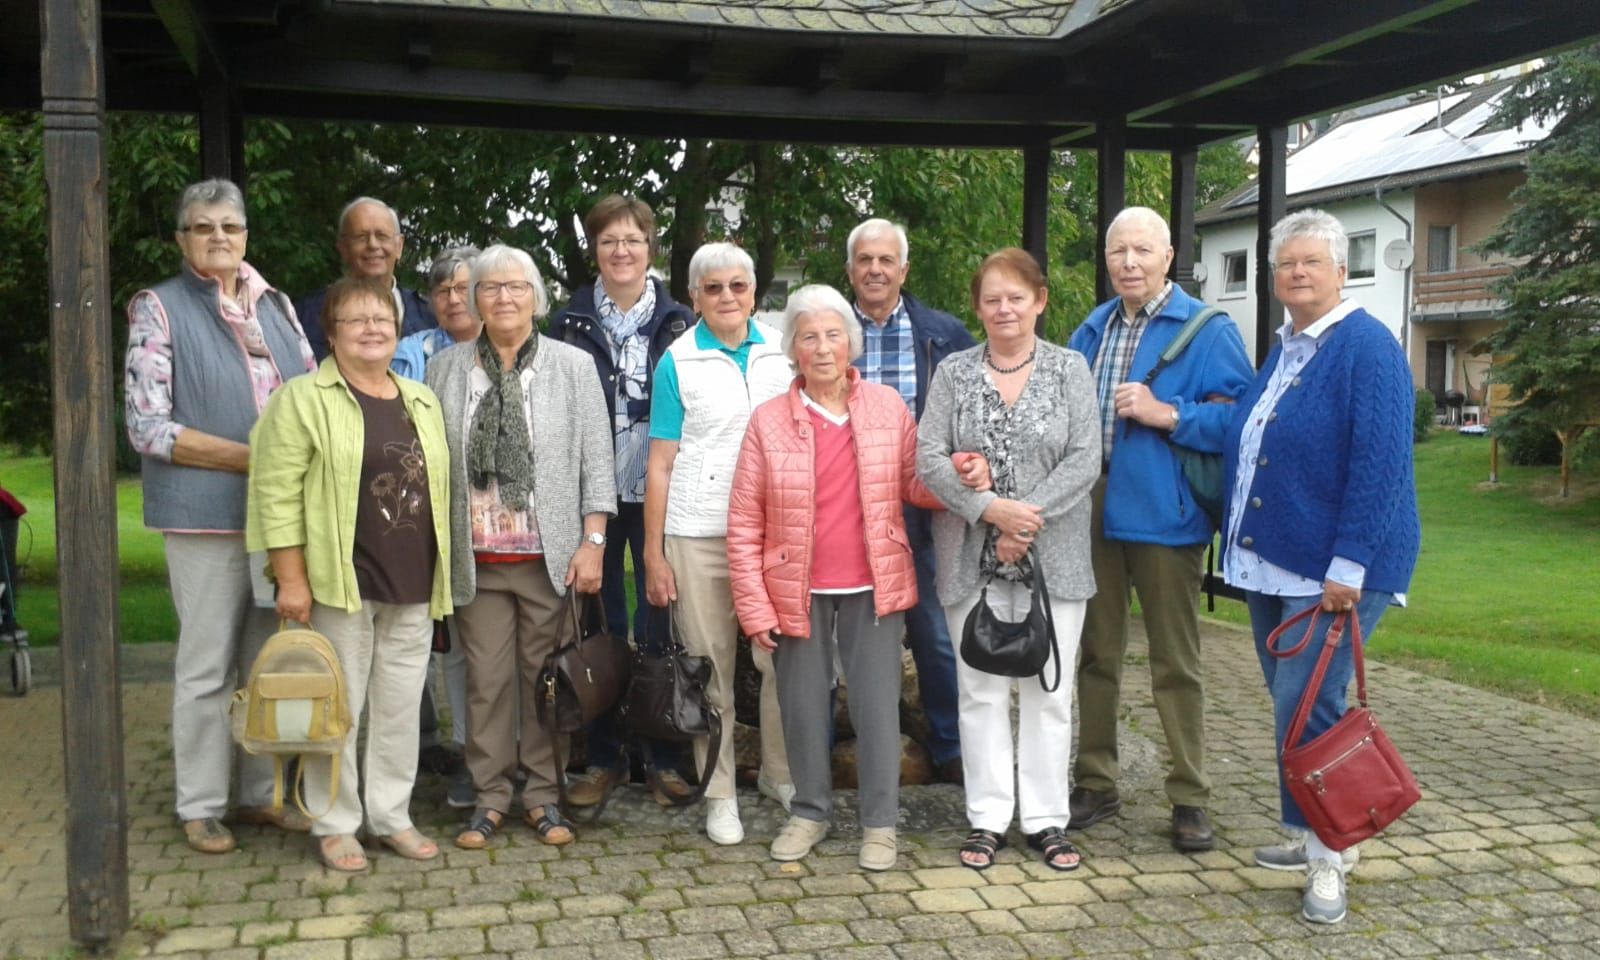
(205, 350)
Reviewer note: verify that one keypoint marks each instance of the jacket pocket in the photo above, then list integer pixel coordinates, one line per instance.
(774, 557)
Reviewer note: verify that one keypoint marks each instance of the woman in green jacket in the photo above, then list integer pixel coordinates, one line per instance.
(349, 494)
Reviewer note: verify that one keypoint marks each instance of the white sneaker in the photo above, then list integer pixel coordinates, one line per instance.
(722, 821)
(1291, 855)
(797, 838)
(781, 792)
(1324, 900)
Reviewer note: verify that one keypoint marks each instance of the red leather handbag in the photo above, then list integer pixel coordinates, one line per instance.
(1349, 782)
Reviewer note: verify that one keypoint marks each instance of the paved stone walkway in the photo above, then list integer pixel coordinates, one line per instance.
(1500, 859)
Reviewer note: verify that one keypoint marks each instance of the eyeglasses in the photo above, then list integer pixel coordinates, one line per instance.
(206, 228)
(368, 322)
(447, 290)
(371, 236)
(610, 244)
(714, 288)
(1312, 264)
(491, 288)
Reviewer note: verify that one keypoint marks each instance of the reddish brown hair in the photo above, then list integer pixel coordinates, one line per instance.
(1015, 261)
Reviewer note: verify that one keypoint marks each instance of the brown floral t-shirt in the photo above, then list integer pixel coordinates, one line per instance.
(395, 547)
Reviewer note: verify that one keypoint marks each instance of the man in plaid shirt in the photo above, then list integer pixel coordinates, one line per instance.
(1148, 534)
(903, 341)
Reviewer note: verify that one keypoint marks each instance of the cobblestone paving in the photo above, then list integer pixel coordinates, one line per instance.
(1500, 859)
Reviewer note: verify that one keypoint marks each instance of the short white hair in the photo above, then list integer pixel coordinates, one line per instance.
(1313, 223)
(1131, 215)
(719, 256)
(502, 257)
(210, 193)
(350, 207)
(818, 298)
(872, 230)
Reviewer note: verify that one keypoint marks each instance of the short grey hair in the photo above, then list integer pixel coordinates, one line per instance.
(448, 262)
(502, 257)
(872, 230)
(209, 193)
(1130, 215)
(1313, 223)
(358, 201)
(719, 256)
(819, 298)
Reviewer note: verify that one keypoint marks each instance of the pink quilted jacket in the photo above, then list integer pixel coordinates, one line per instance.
(771, 510)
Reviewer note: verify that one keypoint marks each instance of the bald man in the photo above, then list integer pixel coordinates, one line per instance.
(369, 245)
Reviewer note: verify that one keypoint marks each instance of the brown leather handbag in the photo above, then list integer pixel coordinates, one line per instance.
(587, 673)
(1349, 782)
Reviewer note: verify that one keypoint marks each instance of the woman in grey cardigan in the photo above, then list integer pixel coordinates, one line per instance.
(531, 489)
(1029, 407)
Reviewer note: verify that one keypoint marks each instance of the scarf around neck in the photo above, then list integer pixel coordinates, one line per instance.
(498, 446)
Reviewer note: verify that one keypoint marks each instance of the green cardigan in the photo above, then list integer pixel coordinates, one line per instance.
(305, 474)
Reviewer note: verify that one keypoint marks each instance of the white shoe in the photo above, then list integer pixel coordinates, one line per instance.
(1324, 900)
(878, 848)
(781, 792)
(1291, 855)
(797, 838)
(722, 821)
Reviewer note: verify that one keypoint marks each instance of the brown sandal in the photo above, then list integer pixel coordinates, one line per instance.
(480, 829)
(552, 828)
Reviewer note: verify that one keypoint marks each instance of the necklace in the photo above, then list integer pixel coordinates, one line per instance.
(999, 369)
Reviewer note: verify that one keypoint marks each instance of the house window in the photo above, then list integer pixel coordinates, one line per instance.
(1441, 249)
(1362, 263)
(1235, 272)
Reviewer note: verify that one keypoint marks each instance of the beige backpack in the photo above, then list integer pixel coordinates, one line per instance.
(294, 706)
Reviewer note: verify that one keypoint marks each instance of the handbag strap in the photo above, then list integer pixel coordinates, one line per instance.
(1042, 592)
(1330, 643)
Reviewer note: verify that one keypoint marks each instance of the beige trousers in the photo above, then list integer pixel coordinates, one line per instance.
(383, 650)
(710, 629)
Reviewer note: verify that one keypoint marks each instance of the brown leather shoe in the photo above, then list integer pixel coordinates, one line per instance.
(208, 835)
(670, 788)
(1191, 829)
(1089, 807)
(590, 787)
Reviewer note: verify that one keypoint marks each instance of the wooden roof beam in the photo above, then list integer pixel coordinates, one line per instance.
(192, 34)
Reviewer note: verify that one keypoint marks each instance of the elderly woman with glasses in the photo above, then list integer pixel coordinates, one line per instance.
(349, 482)
(205, 350)
(625, 320)
(531, 492)
(705, 389)
(822, 567)
(1321, 503)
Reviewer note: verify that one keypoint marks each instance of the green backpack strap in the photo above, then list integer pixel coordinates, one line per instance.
(1190, 329)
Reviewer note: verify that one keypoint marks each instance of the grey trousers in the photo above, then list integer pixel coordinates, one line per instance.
(220, 631)
(869, 650)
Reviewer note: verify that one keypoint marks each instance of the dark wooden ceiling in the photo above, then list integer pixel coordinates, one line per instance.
(1181, 72)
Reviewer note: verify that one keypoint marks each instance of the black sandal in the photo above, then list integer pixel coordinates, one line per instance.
(985, 843)
(548, 822)
(479, 824)
(1053, 842)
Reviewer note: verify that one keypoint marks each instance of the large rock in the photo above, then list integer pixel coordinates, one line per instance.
(915, 768)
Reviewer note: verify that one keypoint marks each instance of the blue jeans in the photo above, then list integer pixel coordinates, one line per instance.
(929, 638)
(624, 533)
(1287, 678)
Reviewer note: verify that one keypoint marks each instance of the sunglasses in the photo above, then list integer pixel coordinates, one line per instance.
(714, 288)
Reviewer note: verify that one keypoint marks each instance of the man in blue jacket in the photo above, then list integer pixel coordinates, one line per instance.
(369, 245)
(1148, 533)
(904, 340)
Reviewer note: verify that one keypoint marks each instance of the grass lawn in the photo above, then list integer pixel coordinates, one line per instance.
(1502, 598)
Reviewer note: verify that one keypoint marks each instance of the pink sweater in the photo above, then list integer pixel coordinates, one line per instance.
(772, 507)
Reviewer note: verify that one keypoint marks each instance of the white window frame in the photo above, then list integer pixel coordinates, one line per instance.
(1372, 275)
(1243, 256)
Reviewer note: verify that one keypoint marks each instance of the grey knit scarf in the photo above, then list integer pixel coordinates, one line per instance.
(497, 442)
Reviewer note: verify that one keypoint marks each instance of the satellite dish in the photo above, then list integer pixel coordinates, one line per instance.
(1200, 273)
(1399, 254)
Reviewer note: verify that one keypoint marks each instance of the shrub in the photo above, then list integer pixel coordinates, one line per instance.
(1422, 416)
(1527, 442)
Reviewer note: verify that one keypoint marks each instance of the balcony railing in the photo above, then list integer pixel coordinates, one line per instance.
(1457, 292)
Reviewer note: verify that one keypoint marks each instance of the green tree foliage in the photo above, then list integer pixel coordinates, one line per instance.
(1550, 344)
(787, 204)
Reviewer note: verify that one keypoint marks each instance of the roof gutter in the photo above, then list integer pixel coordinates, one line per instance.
(1405, 285)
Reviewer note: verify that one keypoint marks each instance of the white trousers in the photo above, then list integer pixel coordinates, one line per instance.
(1031, 779)
(220, 631)
(383, 650)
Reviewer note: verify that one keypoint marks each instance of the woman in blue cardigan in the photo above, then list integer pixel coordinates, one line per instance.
(1322, 506)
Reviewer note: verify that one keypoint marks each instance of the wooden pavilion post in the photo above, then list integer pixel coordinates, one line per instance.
(1036, 201)
(1181, 218)
(1111, 140)
(73, 85)
(1271, 204)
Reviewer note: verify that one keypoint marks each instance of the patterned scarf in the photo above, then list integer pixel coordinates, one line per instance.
(497, 440)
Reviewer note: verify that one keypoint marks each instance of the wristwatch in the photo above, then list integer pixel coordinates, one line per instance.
(598, 539)
(1174, 424)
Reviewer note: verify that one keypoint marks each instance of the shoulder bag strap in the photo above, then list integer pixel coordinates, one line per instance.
(1190, 329)
(1042, 592)
(675, 649)
(1309, 697)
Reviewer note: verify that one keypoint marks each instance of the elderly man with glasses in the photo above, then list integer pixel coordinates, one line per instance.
(369, 245)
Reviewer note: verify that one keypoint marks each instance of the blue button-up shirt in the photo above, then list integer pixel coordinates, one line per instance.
(889, 353)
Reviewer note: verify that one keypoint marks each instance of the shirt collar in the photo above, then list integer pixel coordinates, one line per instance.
(1323, 324)
(706, 340)
(1155, 306)
(896, 315)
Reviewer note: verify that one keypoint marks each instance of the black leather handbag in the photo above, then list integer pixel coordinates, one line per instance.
(1013, 649)
(587, 674)
(666, 701)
